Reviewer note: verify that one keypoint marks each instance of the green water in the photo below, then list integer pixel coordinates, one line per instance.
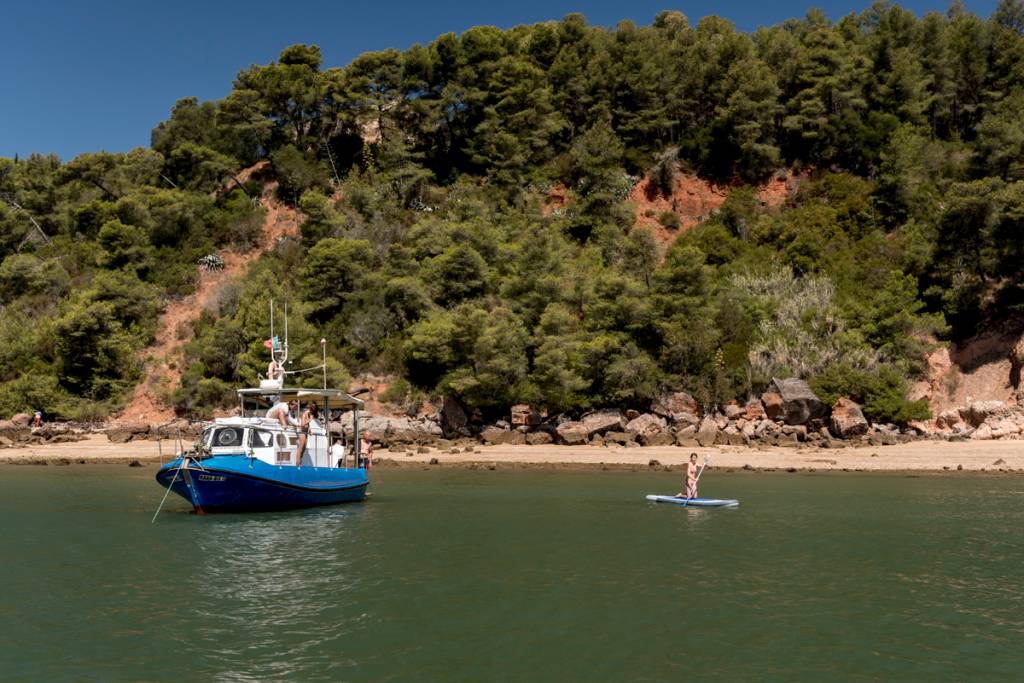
(516, 576)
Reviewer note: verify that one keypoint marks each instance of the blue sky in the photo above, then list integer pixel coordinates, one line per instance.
(81, 76)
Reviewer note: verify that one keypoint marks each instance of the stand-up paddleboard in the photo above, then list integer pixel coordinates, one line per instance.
(695, 502)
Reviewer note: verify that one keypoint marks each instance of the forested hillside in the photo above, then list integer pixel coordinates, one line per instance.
(431, 249)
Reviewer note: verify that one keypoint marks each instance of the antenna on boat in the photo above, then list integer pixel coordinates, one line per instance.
(285, 331)
(323, 354)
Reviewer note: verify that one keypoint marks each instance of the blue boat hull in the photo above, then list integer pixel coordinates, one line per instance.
(236, 483)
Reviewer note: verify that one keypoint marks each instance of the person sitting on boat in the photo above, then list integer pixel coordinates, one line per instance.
(691, 478)
(307, 421)
(338, 453)
(274, 370)
(275, 375)
(281, 412)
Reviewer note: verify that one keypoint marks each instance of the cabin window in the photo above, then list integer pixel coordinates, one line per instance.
(262, 439)
(284, 457)
(282, 440)
(225, 437)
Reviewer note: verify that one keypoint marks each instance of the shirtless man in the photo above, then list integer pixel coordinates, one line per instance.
(691, 478)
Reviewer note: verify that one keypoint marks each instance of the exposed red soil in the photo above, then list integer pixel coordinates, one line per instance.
(162, 358)
(555, 199)
(978, 369)
(693, 200)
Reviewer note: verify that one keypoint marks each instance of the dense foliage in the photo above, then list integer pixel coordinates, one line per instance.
(428, 251)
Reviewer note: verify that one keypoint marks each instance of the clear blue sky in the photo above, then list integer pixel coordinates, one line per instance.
(90, 75)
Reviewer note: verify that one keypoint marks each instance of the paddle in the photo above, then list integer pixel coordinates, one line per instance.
(697, 480)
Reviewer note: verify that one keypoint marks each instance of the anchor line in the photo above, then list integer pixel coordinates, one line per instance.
(166, 493)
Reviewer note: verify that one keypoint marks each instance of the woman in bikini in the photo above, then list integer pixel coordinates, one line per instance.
(308, 416)
(691, 478)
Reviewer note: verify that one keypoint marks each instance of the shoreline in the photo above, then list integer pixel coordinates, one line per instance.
(916, 457)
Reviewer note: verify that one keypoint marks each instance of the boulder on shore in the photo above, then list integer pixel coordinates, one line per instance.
(772, 403)
(977, 412)
(538, 438)
(847, 419)
(753, 410)
(732, 410)
(799, 403)
(621, 438)
(676, 406)
(646, 424)
(523, 415)
(580, 431)
(707, 431)
(454, 421)
(498, 436)
(390, 430)
(657, 439)
(21, 419)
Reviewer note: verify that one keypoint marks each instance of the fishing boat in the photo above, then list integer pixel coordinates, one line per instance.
(253, 462)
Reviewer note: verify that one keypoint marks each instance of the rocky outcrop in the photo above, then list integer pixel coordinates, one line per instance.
(799, 403)
(847, 419)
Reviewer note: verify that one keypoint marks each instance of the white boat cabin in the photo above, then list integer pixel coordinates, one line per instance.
(263, 438)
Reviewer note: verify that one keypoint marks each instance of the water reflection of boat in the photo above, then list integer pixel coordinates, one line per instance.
(263, 458)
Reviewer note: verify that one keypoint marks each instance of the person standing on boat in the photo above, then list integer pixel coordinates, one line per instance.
(338, 453)
(365, 451)
(691, 478)
(281, 412)
(307, 421)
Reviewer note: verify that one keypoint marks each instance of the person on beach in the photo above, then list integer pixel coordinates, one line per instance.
(338, 453)
(281, 412)
(365, 451)
(308, 420)
(691, 478)
(37, 419)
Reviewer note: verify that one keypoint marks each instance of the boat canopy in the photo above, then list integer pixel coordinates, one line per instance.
(335, 399)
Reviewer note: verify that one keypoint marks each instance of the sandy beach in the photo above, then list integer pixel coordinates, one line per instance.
(918, 456)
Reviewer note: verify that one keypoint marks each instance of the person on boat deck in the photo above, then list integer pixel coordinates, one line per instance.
(274, 370)
(691, 478)
(308, 420)
(365, 450)
(338, 453)
(281, 412)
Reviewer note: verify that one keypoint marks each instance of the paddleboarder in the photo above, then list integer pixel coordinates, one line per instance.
(691, 478)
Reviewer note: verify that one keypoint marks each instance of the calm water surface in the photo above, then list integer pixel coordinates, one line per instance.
(452, 575)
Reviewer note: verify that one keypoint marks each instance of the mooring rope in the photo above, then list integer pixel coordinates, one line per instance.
(167, 493)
